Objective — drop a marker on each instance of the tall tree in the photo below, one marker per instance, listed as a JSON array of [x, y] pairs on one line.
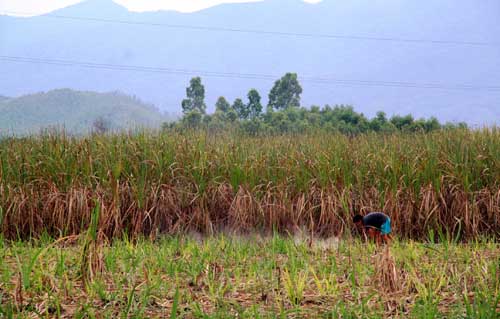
[[286, 92], [195, 100], [381, 117], [254, 106], [222, 105], [241, 109]]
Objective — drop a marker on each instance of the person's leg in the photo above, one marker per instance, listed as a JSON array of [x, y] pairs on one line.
[[370, 233]]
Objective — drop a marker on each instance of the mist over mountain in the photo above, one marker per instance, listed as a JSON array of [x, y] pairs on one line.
[[76, 112], [241, 52]]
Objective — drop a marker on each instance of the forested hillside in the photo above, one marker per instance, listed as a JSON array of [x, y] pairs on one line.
[[75, 111]]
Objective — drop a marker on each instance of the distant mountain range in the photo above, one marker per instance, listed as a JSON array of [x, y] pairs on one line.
[[74, 111], [180, 42]]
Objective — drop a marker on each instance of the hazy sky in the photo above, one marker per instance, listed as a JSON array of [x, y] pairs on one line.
[[41, 6]]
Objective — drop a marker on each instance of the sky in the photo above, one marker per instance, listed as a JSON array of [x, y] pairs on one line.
[[34, 7]]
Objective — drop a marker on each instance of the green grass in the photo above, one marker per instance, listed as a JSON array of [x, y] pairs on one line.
[[396, 161], [248, 277]]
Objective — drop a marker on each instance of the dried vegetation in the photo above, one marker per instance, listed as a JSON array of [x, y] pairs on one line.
[[442, 184]]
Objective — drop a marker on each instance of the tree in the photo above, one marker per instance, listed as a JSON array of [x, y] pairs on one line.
[[192, 119], [195, 93], [222, 105], [432, 124], [313, 118], [402, 122], [381, 117], [241, 109], [378, 122], [286, 92], [253, 126], [231, 115], [254, 106], [224, 112], [315, 109]]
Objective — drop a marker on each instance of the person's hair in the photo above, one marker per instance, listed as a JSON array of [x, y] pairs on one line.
[[357, 218]]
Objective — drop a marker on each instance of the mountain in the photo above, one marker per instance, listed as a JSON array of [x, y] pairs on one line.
[[161, 39], [75, 111]]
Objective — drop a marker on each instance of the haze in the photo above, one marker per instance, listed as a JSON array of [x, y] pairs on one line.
[[444, 55]]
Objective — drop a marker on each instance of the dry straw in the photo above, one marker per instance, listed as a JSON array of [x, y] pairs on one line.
[[447, 183], [387, 276]]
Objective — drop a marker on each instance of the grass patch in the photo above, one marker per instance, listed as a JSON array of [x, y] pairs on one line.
[[251, 277]]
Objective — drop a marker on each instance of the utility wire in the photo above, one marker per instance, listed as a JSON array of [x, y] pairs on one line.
[[263, 32], [255, 76]]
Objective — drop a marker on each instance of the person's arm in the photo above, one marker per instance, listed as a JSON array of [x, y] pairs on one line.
[[387, 238], [372, 232]]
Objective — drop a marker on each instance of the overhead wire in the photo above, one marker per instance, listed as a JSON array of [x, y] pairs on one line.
[[191, 72], [316, 80]]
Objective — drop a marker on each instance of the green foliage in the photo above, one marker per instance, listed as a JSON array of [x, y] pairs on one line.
[[254, 104], [222, 105], [192, 119], [231, 115], [241, 109], [341, 118], [284, 115], [403, 123], [253, 126], [380, 123], [285, 93], [195, 100]]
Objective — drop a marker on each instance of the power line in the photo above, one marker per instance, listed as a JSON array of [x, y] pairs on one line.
[[263, 32], [254, 76]]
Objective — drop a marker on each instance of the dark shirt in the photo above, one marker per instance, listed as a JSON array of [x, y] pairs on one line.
[[375, 220]]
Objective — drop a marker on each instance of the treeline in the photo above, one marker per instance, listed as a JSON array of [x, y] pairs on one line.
[[284, 114]]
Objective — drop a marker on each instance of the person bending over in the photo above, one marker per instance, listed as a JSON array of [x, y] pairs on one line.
[[376, 225]]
